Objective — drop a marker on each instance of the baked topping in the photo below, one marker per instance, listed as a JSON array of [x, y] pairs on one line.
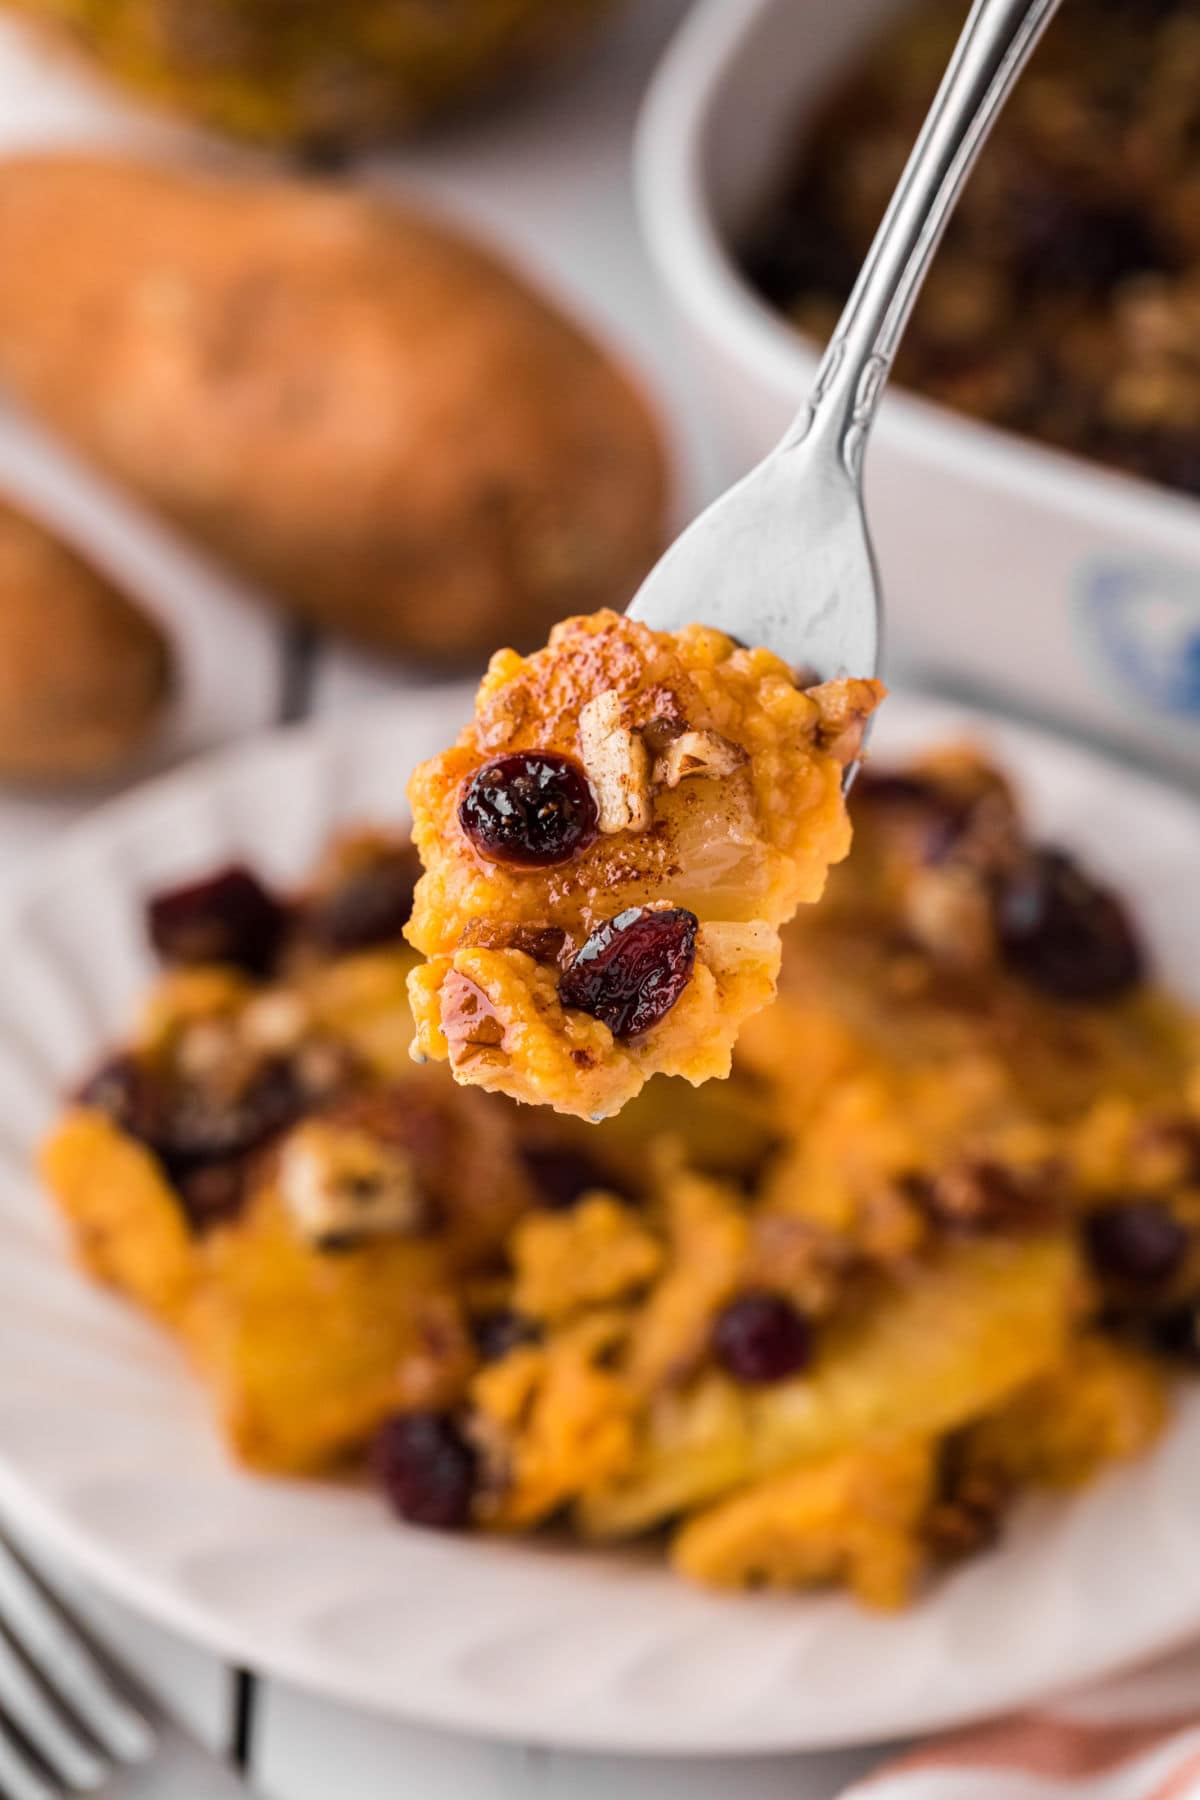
[[1065, 300], [617, 762]]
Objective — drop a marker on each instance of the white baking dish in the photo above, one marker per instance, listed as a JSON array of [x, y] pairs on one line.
[[1033, 576]]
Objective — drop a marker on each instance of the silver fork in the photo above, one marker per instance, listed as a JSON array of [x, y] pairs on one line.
[[784, 558], [68, 1726]]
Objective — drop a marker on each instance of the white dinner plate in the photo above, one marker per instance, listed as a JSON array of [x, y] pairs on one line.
[[106, 1449]]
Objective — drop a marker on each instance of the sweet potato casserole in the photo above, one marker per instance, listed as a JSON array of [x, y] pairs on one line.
[[934, 1243]]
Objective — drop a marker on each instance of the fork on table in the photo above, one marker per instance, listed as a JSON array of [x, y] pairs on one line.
[[68, 1723]]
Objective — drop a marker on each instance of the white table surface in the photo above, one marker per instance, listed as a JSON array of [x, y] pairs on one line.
[[551, 183]]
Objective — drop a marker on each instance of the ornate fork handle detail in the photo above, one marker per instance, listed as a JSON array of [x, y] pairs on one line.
[[995, 45]]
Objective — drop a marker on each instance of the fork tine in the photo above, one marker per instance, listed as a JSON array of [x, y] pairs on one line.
[[18, 1778], [44, 1729], [69, 1668]]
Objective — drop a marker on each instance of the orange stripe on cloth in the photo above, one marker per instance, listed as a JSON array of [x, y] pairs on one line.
[[1181, 1783], [1036, 1745]]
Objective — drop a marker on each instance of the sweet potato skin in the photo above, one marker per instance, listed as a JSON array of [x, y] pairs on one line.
[[84, 674], [372, 418]]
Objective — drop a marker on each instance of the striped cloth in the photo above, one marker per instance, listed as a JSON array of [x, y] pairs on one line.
[[1133, 1739]]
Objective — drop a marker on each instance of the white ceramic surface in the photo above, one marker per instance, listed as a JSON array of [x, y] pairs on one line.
[[1020, 571], [106, 1452]]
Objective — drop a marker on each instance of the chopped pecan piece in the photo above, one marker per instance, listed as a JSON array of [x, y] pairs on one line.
[[979, 1194], [473, 1028], [969, 1509], [845, 707], [543, 942], [617, 762], [697, 753], [948, 912], [342, 1185]]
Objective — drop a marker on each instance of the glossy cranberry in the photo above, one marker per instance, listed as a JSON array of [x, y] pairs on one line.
[[371, 906], [1177, 1333], [229, 918], [563, 1175], [633, 968], [760, 1338], [1064, 934], [501, 1330], [1137, 1243], [531, 809], [426, 1468]]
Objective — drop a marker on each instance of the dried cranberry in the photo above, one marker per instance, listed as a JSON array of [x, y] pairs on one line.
[[1177, 1333], [532, 809], [563, 1174], [230, 918], [124, 1090], [760, 1338], [198, 1126], [501, 1330], [1064, 934], [1137, 1242], [633, 968], [371, 906], [426, 1468]]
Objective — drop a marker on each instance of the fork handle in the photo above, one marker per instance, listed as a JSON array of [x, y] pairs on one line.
[[995, 45]]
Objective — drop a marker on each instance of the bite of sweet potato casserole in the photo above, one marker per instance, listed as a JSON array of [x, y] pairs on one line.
[[935, 1243], [610, 850]]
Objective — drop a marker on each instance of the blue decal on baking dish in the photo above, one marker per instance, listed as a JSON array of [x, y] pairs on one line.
[[1142, 620]]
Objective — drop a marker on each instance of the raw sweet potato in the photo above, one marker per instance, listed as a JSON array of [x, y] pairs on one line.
[[84, 674], [363, 411]]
